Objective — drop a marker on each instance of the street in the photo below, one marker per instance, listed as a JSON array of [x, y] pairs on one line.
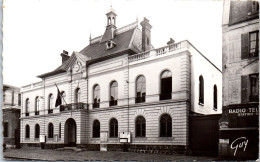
[[57, 155]]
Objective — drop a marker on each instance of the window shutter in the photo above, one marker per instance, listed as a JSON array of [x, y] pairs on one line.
[[244, 87], [244, 46]]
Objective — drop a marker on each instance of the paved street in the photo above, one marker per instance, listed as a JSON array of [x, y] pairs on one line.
[[55, 155]]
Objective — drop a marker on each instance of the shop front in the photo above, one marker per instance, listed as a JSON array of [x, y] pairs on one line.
[[238, 132]]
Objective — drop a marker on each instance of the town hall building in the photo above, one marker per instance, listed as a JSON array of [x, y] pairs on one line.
[[119, 88]]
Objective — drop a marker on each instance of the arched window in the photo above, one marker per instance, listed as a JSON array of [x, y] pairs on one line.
[[166, 85], [96, 129], [113, 127], [60, 130], [140, 126], [114, 21], [109, 21], [77, 95], [37, 131], [96, 96], [37, 105], [215, 96], [201, 90], [27, 102], [113, 93], [140, 89], [50, 130], [63, 95], [50, 103], [27, 131], [165, 125]]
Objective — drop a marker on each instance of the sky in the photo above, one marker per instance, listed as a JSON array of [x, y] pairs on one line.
[[35, 32]]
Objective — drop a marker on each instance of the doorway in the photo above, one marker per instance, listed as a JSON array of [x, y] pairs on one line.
[[70, 134]]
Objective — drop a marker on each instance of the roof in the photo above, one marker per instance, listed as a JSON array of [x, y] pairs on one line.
[[123, 42], [125, 38]]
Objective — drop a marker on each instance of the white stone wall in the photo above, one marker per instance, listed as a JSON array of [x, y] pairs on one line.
[[212, 76]]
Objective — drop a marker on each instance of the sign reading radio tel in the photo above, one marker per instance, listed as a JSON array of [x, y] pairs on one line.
[[242, 112]]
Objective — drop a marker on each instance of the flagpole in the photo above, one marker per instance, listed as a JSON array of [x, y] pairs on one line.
[[60, 95]]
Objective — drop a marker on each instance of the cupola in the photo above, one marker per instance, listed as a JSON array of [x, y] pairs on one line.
[[111, 26]]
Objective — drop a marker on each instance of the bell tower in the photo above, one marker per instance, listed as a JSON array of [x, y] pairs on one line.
[[111, 17], [111, 26]]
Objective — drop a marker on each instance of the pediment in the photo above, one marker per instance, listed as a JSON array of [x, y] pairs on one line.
[[76, 62]]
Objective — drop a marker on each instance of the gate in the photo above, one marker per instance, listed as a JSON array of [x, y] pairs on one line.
[[204, 135]]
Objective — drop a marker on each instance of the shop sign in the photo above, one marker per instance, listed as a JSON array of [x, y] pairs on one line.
[[224, 141], [243, 112], [239, 144]]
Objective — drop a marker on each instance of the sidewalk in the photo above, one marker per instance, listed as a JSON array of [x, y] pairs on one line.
[[56, 155]]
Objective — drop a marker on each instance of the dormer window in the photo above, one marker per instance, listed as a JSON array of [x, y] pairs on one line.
[[110, 44]]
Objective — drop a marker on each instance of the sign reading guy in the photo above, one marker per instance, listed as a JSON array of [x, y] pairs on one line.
[[239, 143]]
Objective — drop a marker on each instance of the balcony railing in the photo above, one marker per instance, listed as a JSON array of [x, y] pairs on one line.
[[113, 103], [158, 52], [140, 99], [73, 106], [165, 96]]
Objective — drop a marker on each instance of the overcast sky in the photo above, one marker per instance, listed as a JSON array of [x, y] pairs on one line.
[[35, 32]]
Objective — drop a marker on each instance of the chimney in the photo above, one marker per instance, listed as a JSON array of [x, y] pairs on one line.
[[146, 35], [64, 55]]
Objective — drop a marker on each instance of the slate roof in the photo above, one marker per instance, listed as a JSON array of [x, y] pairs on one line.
[[124, 41]]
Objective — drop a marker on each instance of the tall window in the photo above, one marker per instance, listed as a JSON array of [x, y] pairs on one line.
[[60, 130], [50, 106], [165, 126], [113, 93], [37, 131], [27, 131], [254, 87], [201, 90], [37, 105], [50, 130], [140, 126], [27, 102], [140, 89], [96, 129], [96, 96], [166, 85], [63, 95], [253, 44], [77, 95], [249, 44], [215, 96], [5, 129], [113, 128]]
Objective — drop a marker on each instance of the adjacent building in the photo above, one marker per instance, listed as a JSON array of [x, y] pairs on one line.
[[119, 88], [11, 116], [240, 65]]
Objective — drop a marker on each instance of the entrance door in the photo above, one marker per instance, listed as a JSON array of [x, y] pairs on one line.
[[70, 132]]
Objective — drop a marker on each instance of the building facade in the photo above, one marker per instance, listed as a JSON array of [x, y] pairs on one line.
[[11, 116], [120, 84], [239, 123]]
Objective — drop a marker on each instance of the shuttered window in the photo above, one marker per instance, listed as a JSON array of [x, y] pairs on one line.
[[249, 45], [249, 88], [254, 88]]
